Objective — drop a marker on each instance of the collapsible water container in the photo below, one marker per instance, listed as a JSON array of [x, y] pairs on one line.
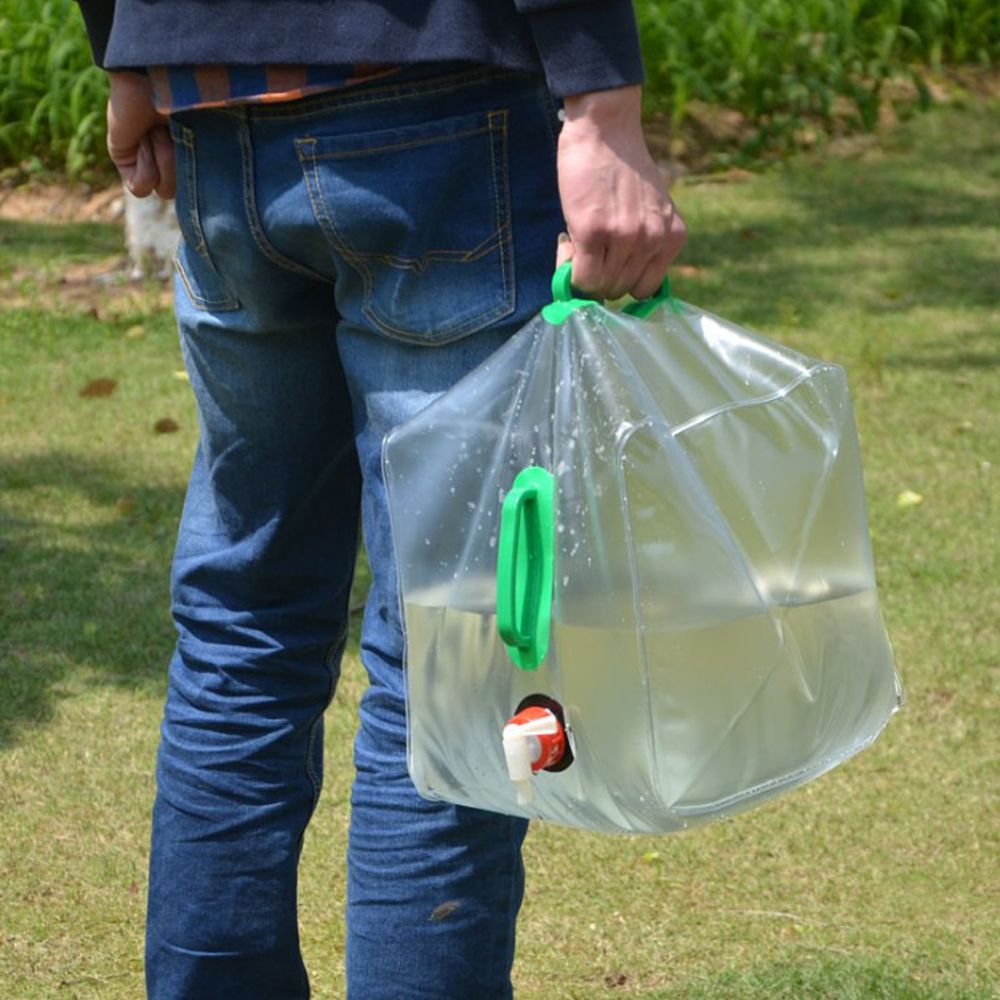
[[635, 571]]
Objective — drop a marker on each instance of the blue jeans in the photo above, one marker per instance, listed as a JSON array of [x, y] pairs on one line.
[[346, 258]]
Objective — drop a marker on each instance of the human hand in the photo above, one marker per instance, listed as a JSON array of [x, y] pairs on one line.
[[138, 138], [624, 230]]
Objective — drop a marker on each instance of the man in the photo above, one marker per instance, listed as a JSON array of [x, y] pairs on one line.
[[370, 196]]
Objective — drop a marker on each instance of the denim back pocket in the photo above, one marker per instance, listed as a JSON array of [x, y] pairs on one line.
[[420, 215], [193, 261]]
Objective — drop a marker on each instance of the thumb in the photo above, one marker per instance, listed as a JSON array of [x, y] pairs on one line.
[[146, 174], [564, 249], [163, 155]]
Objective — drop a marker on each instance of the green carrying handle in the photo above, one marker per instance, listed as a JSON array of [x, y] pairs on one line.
[[524, 567], [565, 302]]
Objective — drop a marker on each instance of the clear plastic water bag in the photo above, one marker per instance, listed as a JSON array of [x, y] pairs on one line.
[[636, 573]]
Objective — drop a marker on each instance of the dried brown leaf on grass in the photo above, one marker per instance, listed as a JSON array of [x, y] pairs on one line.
[[98, 387]]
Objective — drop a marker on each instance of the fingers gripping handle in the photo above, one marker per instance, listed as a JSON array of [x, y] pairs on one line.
[[565, 300]]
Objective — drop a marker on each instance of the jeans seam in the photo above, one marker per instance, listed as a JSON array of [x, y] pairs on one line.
[[311, 772], [428, 141], [186, 138], [228, 301], [253, 219], [513, 905], [551, 117], [333, 654], [500, 168], [306, 149]]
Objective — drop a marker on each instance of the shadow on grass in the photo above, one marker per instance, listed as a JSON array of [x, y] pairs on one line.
[[88, 599], [84, 591]]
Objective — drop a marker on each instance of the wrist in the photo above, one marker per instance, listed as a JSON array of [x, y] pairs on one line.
[[604, 108], [132, 87]]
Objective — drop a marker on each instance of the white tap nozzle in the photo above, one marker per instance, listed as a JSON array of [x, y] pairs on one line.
[[521, 748]]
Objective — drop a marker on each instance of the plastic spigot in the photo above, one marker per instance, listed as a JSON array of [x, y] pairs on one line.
[[533, 740]]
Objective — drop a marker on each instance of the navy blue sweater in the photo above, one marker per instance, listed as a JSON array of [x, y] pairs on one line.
[[580, 45]]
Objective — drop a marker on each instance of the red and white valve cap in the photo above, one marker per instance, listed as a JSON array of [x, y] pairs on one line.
[[533, 740]]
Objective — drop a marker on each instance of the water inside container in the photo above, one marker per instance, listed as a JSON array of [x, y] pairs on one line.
[[664, 721]]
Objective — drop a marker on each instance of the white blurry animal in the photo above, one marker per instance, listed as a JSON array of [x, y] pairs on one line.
[[151, 235]]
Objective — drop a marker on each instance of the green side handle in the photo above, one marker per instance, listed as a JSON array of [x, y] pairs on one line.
[[564, 301], [524, 567]]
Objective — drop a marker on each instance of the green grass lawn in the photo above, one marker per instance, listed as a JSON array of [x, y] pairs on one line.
[[880, 880]]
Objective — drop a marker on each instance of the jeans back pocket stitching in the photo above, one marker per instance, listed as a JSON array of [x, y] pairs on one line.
[[223, 304], [420, 264], [253, 218], [306, 147], [193, 295], [226, 301], [472, 325]]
